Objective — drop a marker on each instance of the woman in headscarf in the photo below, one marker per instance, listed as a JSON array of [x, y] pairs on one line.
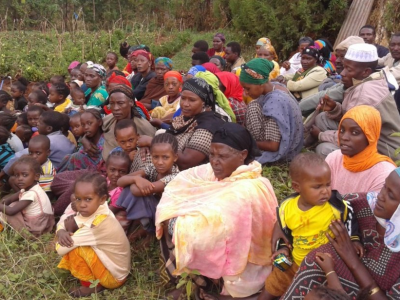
[[357, 166], [193, 71], [268, 52], [264, 41], [207, 223], [377, 271], [96, 93], [274, 118], [327, 58], [145, 72], [131, 69], [195, 126], [169, 103], [155, 88], [229, 84], [223, 106], [218, 46], [218, 61], [211, 67], [305, 82]]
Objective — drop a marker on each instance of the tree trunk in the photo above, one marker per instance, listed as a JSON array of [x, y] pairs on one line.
[[356, 18]]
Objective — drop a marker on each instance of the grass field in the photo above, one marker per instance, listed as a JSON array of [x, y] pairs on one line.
[[29, 267]]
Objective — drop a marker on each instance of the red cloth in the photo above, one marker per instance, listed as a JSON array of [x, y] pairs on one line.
[[128, 68], [118, 79], [143, 109], [175, 74], [211, 67], [231, 82]]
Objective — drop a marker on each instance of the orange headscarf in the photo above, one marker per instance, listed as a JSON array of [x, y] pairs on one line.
[[369, 120]]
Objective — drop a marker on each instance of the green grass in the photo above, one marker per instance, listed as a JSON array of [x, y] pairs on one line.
[[29, 267]]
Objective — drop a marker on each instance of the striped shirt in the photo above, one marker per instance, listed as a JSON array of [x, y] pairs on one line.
[[6, 153], [46, 179]]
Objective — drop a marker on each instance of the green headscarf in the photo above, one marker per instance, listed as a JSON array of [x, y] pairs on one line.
[[256, 71], [220, 98]]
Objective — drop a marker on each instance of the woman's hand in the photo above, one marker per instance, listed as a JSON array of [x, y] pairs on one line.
[[90, 148], [358, 247], [342, 243], [132, 154], [286, 65], [278, 234], [283, 250], [144, 141], [325, 262], [144, 186], [326, 104], [156, 122], [64, 238]]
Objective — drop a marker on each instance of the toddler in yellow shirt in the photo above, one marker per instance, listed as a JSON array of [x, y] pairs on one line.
[[305, 217]]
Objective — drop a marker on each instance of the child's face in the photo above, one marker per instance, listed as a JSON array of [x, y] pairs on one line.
[[116, 168], [39, 152], [314, 186], [32, 99], [172, 86], [264, 53], [33, 118], [127, 139], [90, 124], [25, 177], [134, 63], [15, 92], [163, 157], [42, 127], [54, 96], [86, 200], [76, 75], [3, 104], [76, 127], [78, 97], [111, 60]]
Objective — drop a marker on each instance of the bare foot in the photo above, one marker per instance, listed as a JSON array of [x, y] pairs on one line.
[[138, 234], [83, 291]]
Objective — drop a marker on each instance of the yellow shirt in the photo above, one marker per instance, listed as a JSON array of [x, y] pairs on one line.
[[61, 108], [308, 228]]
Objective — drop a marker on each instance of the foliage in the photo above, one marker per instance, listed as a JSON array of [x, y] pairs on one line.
[[392, 16], [38, 56], [284, 22]]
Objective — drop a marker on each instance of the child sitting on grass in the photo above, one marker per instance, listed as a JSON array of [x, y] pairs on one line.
[[305, 218], [33, 114], [111, 61], [18, 89], [91, 123], [24, 133], [58, 97], [76, 126], [93, 244], [29, 208], [6, 153], [143, 188]]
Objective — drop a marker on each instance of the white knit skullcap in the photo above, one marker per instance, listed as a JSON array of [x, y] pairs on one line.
[[362, 53]]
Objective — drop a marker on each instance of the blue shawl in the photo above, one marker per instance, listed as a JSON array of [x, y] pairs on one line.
[[285, 110]]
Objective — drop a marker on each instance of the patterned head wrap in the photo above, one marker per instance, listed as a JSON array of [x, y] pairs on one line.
[[118, 79], [174, 74], [193, 70], [166, 61], [99, 69], [313, 52], [221, 36], [263, 41], [256, 71], [237, 137], [327, 58], [73, 64], [202, 89], [145, 54]]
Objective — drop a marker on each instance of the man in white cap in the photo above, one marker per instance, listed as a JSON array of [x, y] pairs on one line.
[[361, 87], [331, 86]]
